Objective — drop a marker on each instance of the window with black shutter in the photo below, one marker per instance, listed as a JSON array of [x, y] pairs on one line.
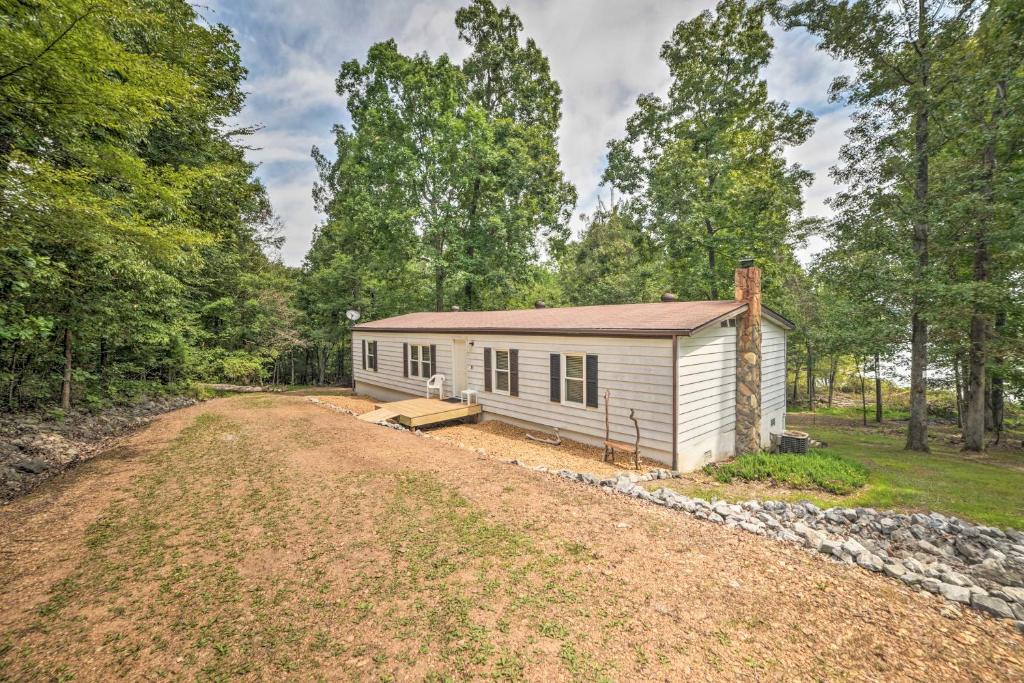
[[556, 378], [488, 379], [591, 380], [371, 355], [578, 379], [574, 379], [513, 364]]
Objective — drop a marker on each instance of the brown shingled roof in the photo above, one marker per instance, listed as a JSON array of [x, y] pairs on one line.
[[657, 319]]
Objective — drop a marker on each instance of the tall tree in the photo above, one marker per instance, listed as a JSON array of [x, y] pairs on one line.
[[613, 262], [705, 166], [448, 178], [118, 181], [978, 190], [894, 47], [517, 193]]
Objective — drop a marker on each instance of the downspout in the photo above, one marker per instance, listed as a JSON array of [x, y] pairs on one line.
[[675, 402]]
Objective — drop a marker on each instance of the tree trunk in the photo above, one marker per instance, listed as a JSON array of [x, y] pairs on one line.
[[810, 378], [291, 356], [796, 383], [863, 392], [439, 278], [65, 388], [958, 381], [833, 367], [878, 390], [917, 428], [322, 353], [712, 256], [998, 408], [977, 410]]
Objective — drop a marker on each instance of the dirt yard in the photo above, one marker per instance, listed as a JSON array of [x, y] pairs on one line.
[[265, 537], [507, 442]]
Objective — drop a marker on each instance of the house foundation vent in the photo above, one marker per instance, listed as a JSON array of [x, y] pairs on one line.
[[794, 442]]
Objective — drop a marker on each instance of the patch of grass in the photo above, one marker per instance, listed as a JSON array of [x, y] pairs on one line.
[[986, 490], [944, 480], [814, 470]]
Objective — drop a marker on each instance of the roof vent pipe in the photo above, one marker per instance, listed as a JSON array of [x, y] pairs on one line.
[[669, 296], [539, 304]]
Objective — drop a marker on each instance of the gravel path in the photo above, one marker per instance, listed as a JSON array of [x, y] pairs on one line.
[[357, 552]]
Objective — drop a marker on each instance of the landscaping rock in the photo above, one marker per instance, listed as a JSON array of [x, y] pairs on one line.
[[34, 447], [955, 593], [870, 561], [990, 605], [963, 563]]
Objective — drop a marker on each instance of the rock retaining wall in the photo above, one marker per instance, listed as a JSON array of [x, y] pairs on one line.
[[977, 566], [33, 448]]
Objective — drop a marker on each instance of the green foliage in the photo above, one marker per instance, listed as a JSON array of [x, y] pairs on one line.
[[446, 179], [129, 216], [816, 469], [613, 262], [705, 167]]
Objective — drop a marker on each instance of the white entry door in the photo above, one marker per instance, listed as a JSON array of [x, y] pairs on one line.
[[458, 366]]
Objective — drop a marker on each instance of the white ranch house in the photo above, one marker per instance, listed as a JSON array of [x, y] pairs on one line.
[[706, 378]]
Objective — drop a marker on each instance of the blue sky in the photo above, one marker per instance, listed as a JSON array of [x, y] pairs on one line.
[[603, 54]]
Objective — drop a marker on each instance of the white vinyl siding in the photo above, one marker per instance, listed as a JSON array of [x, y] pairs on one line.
[[773, 380], [637, 371], [707, 397], [390, 362]]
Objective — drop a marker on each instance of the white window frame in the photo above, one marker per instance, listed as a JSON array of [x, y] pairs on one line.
[[417, 370], [371, 355], [582, 380], [507, 391]]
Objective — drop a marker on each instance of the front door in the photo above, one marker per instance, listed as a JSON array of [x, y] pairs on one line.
[[458, 366]]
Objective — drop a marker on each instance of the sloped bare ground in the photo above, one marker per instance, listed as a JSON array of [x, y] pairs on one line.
[[262, 537]]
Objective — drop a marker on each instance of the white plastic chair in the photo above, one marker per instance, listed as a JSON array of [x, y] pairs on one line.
[[436, 382]]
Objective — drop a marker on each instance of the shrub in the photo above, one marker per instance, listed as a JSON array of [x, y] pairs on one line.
[[816, 469]]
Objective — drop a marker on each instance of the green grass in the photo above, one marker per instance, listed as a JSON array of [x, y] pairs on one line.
[[989, 490], [814, 470], [943, 480]]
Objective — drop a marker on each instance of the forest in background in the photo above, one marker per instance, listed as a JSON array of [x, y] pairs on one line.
[[135, 236]]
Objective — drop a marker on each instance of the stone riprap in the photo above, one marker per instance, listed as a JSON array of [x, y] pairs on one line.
[[977, 566], [34, 447]]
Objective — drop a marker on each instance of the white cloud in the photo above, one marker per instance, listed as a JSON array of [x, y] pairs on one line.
[[603, 55]]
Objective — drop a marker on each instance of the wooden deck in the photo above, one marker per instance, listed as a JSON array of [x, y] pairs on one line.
[[418, 412]]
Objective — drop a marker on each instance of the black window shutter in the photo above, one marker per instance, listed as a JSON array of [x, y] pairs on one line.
[[487, 369], [591, 380], [375, 358], [433, 359], [556, 378], [513, 372], [364, 354], [405, 359]]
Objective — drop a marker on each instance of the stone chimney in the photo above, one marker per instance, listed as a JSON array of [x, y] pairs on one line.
[[748, 359]]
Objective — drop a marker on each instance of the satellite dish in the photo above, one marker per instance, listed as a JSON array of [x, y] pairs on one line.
[[352, 314]]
